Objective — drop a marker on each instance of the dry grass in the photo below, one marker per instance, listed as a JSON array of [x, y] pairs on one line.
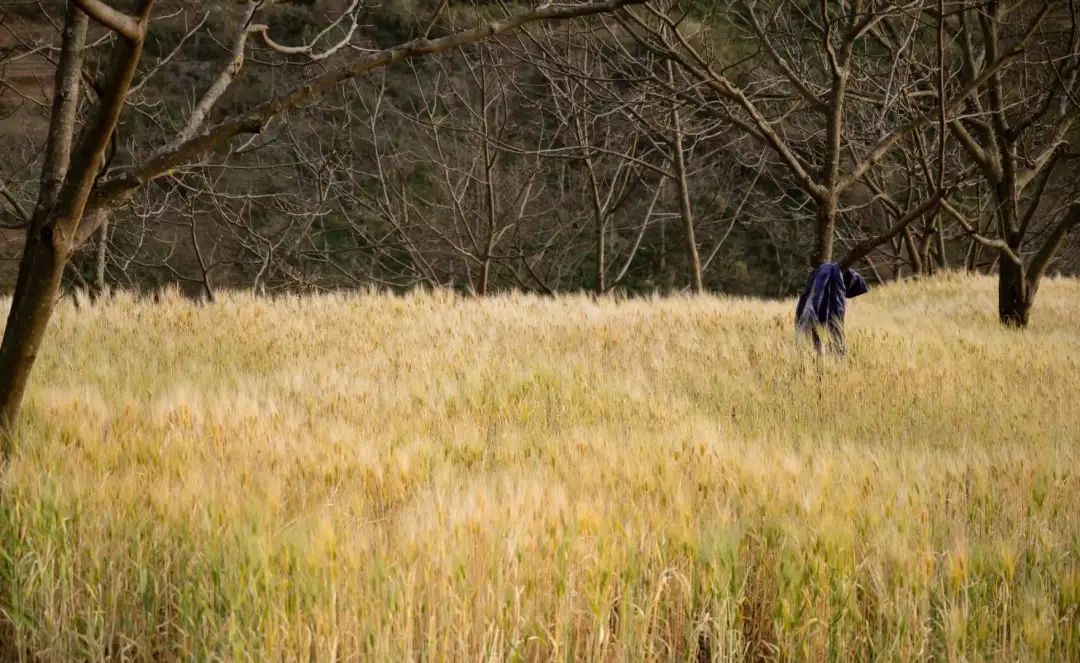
[[439, 478]]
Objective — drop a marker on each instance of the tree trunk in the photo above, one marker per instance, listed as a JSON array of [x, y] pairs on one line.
[[485, 277], [912, 246], [600, 284], [40, 273], [1015, 296], [825, 227], [693, 258], [100, 259], [834, 139], [926, 256], [972, 258], [943, 255]]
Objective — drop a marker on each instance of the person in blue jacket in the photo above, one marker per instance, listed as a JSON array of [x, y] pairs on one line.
[[820, 311]]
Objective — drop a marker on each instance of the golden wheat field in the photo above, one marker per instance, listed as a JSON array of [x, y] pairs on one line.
[[433, 477]]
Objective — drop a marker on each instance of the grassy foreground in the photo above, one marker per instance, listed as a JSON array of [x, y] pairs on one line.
[[440, 478]]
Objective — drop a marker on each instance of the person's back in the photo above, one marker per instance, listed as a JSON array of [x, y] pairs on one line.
[[823, 304]]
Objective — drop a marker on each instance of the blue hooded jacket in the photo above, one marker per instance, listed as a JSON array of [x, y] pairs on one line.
[[824, 301]]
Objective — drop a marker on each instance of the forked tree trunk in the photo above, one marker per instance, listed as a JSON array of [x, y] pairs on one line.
[[32, 303], [1015, 295], [63, 200]]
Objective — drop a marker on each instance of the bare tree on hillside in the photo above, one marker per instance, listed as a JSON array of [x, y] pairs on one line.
[[1016, 129], [596, 140], [482, 196], [623, 126], [824, 108]]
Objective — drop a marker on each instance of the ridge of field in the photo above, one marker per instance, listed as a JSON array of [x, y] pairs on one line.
[[367, 477]]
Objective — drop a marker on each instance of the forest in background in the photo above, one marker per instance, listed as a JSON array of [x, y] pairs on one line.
[[602, 154]]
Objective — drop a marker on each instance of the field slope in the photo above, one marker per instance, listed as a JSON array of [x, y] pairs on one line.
[[441, 478]]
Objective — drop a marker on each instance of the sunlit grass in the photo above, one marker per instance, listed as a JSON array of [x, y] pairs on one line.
[[442, 478]]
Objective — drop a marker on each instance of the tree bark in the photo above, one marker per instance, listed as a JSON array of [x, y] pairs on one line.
[[64, 107], [42, 265], [693, 258], [943, 255], [485, 277], [912, 246], [1015, 296], [100, 258], [834, 138], [40, 273], [971, 262], [489, 183], [600, 284], [824, 229]]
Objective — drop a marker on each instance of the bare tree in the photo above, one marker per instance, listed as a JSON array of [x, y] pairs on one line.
[[593, 136], [627, 132], [828, 113], [1015, 130], [484, 194]]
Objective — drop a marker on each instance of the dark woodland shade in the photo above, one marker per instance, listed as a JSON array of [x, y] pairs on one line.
[[824, 301]]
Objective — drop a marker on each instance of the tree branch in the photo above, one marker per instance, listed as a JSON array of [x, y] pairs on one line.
[[728, 90], [426, 32], [808, 95], [87, 160], [1057, 237], [309, 48], [65, 104], [865, 247], [22, 213], [997, 244], [885, 145], [990, 168], [110, 192], [221, 83], [1037, 194], [114, 19]]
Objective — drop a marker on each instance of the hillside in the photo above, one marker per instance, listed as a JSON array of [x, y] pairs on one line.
[[364, 477], [381, 183], [542, 160]]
